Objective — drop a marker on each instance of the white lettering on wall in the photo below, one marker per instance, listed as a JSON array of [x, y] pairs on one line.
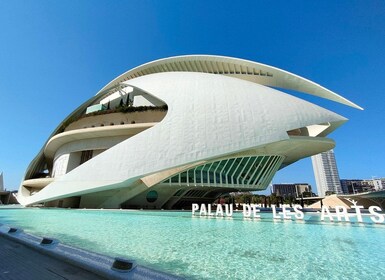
[[229, 210], [285, 213], [298, 213], [342, 212], [219, 212], [377, 217], [358, 211], [275, 216], [194, 208], [326, 213], [246, 210]]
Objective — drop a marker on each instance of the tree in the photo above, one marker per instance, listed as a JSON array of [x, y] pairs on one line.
[[306, 194], [128, 101]]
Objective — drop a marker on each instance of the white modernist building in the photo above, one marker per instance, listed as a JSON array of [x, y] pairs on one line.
[[180, 130], [326, 173]]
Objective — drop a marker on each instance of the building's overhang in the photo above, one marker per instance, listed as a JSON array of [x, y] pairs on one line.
[[234, 67], [91, 133]]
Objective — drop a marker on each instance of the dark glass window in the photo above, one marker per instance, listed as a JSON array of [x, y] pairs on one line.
[[152, 196]]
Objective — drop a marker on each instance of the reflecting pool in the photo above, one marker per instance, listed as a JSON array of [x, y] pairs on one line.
[[217, 248]]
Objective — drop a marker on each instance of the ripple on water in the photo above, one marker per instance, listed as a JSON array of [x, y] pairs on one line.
[[203, 248]]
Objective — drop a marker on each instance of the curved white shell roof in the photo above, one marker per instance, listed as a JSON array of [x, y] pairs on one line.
[[209, 116], [243, 69]]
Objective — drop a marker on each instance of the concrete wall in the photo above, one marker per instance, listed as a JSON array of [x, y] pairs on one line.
[[209, 116], [117, 119]]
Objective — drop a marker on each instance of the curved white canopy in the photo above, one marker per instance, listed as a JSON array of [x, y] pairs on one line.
[[243, 69]]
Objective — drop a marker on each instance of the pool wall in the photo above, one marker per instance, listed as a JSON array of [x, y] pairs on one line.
[[99, 264]]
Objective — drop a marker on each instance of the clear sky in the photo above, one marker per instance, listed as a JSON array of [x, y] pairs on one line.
[[54, 55]]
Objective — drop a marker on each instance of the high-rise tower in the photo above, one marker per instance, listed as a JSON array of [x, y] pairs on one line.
[[1, 182], [326, 173]]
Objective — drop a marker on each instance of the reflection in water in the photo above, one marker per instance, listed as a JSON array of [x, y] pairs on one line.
[[210, 248]]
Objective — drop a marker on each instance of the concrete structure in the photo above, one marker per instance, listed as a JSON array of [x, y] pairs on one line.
[[1, 182], [367, 199], [21, 262], [354, 186], [330, 202], [6, 197], [291, 190], [25, 256], [326, 173], [373, 198], [211, 125], [379, 184]]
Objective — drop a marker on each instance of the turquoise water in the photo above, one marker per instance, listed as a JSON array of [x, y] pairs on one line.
[[222, 248]]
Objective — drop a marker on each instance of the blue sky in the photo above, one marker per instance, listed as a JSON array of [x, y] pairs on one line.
[[54, 55]]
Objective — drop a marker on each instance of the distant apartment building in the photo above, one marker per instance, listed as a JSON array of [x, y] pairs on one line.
[[379, 184], [326, 173], [6, 197], [291, 190], [354, 186], [1, 182]]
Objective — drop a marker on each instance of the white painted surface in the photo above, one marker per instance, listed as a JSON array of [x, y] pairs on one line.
[[208, 116], [240, 68]]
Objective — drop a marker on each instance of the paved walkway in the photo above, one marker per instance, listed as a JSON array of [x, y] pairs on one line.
[[18, 261]]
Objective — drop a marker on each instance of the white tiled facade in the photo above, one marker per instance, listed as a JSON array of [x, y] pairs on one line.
[[226, 129]]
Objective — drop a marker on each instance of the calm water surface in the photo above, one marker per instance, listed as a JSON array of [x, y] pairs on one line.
[[209, 248]]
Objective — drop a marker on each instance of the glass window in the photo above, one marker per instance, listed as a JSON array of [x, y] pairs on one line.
[[152, 196]]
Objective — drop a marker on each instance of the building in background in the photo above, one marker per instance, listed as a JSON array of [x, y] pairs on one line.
[[354, 186], [326, 173], [291, 190], [379, 184], [1, 182], [6, 197]]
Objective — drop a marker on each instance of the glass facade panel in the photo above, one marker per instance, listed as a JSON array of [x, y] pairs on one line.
[[234, 172]]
